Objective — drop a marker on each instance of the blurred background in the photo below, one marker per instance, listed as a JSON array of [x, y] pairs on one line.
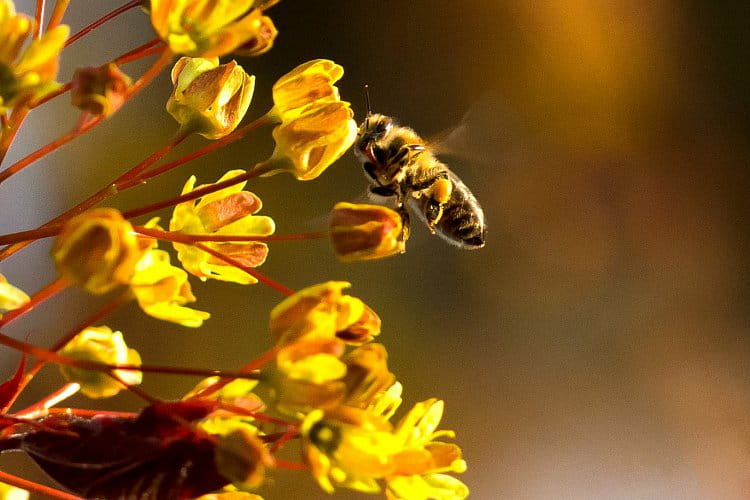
[[598, 346]]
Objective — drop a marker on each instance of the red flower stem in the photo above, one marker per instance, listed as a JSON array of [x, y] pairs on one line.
[[157, 155], [102, 20], [50, 400], [30, 235], [249, 270], [47, 149], [147, 49], [290, 465], [58, 11], [256, 171], [63, 88], [252, 366], [104, 311], [144, 50], [36, 487], [11, 129], [39, 16], [83, 412], [107, 191], [212, 146], [49, 290], [189, 239], [285, 438], [135, 390], [179, 370]]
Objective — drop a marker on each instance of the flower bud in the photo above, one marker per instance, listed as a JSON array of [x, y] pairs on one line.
[[205, 28], [97, 250], [209, 99], [365, 232], [11, 298], [323, 311], [102, 345], [308, 83], [100, 91], [261, 42], [315, 138], [242, 458]]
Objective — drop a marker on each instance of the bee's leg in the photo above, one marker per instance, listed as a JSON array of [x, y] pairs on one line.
[[433, 212], [385, 191], [401, 209]]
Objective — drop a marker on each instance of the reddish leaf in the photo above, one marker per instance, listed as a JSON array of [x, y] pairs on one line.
[[9, 388], [154, 456]]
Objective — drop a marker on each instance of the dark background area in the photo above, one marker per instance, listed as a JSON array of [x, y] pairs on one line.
[[598, 346]]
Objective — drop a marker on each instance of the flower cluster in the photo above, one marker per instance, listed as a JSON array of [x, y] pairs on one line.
[[323, 385]]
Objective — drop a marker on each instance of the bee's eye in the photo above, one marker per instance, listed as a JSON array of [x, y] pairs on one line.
[[381, 127]]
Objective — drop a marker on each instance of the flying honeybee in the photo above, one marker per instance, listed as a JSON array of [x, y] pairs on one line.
[[400, 164]]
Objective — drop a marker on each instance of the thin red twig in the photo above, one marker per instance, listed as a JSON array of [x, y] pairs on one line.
[[49, 290], [36, 487], [102, 20]]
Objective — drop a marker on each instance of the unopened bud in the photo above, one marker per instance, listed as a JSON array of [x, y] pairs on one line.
[[100, 91], [209, 99], [261, 42], [102, 345], [97, 250], [365, 232]]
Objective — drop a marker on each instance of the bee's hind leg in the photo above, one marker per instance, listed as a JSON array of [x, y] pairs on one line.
[[401, 209]]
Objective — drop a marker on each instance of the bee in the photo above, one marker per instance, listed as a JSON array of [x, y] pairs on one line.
[[398, 163]]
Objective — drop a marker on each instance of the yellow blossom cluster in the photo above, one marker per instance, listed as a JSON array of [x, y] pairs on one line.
[[344, 401], [26, 73], [324, 383]]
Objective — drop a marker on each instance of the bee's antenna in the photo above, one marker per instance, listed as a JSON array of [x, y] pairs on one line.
[[367, 99]]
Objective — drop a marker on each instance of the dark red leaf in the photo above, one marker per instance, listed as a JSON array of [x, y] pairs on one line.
[[154, 456], [9, 388]]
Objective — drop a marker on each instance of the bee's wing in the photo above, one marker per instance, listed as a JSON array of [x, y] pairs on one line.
[[487, 133]]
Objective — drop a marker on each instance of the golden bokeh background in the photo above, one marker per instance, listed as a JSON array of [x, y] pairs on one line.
[[598, 346]]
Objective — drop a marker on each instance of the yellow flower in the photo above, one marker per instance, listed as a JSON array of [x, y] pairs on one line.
[[100, 91], [420, 465], [97, 250], [30, 73], [8, 492], [365, 232], [242, 458], [10, 297], [162, 289], [309, 375], [209, 99], [324, 311], [100, 344], [316, 127], [224, 212], [348, 447], [205, 28]]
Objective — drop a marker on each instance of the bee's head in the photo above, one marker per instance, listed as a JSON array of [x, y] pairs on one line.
[[373, 129]]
